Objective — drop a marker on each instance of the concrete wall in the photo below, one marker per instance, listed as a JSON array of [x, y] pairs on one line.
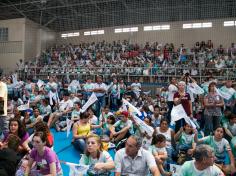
[[37, 39], [13, 49], [177, 35], [26, 40]]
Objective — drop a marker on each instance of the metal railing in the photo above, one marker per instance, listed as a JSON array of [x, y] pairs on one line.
[[153, 74]]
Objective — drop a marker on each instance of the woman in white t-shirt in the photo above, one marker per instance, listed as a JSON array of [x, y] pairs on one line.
[[168, 133]]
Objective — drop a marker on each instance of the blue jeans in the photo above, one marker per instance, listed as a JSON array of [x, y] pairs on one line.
[[114, 103], [100, 104], [80, 145], [4, 124]]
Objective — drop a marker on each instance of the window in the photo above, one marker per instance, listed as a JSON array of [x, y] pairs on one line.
[[72, 34], [120, 30], [197, 25], [87, 33], [229, 23], [206, 25], [147, 28], [156, 28], [3, 34], [98, 32]]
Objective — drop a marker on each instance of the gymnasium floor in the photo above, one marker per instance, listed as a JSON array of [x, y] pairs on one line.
[[65, 151]]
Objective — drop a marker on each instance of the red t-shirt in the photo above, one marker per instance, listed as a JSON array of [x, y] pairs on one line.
[[185, 101]]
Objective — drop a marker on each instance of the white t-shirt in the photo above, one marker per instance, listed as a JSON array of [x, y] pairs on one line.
[[167, 134], [64, 105], [172, 89]]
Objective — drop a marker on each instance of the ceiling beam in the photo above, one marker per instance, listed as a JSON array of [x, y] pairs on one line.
[[130, 10], [50, 21], [71, 5], [19, 4], [14, 7]]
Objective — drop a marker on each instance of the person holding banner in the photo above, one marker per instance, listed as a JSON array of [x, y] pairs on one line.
[[65, 107], [183, 98], [100, 162], [212, 113], [122, 129], [227, 88]]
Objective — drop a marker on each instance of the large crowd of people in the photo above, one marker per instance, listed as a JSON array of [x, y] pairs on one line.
[[143, 129], [124, 58]]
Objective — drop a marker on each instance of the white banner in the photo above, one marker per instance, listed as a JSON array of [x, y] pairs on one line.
[[149, 130], [178, 113], [225, 95], [132, 108], [90, 101], [54, 96], [175, 169], [77, 169], [40, 83], [196, 89], [23, 107]]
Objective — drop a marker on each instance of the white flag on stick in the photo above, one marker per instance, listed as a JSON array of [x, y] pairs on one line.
[[40, 83], [225, 95], [178, 113], [175, 169], [196, 89], [132, 108], [23, 107], [92, 99], [149, 130], [77, 169]]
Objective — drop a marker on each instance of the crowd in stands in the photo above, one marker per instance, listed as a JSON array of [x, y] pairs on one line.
[[123, 57], [32, 108]]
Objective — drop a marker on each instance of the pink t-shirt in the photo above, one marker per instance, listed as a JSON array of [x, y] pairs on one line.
[[43, 162], [23, 139]]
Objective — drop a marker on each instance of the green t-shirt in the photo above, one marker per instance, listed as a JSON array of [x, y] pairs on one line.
[[189, 169], [186, 139], [220, 147]]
